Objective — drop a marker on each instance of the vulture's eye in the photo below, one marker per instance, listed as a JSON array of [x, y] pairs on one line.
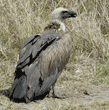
[[64, 12]]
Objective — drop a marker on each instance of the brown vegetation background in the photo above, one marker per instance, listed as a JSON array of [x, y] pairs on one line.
[[89, 60]]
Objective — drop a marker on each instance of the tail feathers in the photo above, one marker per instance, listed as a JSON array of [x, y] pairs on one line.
[[19, 88]]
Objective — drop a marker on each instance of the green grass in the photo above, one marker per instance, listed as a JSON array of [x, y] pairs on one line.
[[101, 73]]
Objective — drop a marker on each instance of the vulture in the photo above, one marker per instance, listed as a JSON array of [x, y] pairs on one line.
[[42, 58]]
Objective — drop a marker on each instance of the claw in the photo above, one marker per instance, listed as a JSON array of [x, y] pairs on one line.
[[55, 95], [59, 96]]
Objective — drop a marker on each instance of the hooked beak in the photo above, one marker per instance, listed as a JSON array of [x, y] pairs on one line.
[[68, 14]]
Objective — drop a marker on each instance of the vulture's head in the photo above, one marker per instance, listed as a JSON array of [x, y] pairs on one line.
[[57, 18], [61, 14]]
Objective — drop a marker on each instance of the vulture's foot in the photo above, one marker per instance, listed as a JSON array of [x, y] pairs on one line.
[[27, 100], [55, 95], [59, 96]]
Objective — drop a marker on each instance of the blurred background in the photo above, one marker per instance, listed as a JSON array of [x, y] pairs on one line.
[[20, 19]]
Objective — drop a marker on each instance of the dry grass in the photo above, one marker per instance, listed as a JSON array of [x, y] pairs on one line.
[[89, 61]]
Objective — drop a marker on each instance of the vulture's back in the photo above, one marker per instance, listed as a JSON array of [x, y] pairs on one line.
[[41, 60]]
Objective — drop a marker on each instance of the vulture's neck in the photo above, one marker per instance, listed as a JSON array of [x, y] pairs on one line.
[[55, 26]]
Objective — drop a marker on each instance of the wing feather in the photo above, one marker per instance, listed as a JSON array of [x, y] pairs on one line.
[[31, 51], [30, 39], [33, 80], [48, 82], [33, 47]]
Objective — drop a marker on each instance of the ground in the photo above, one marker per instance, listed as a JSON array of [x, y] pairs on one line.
[[82, 94]]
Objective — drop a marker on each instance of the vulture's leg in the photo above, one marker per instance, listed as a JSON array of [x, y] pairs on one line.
[[55, 95]]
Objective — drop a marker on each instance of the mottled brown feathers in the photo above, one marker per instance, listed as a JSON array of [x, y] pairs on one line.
[[52, 26], [55, 26], [41, 60], [56, 55]]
